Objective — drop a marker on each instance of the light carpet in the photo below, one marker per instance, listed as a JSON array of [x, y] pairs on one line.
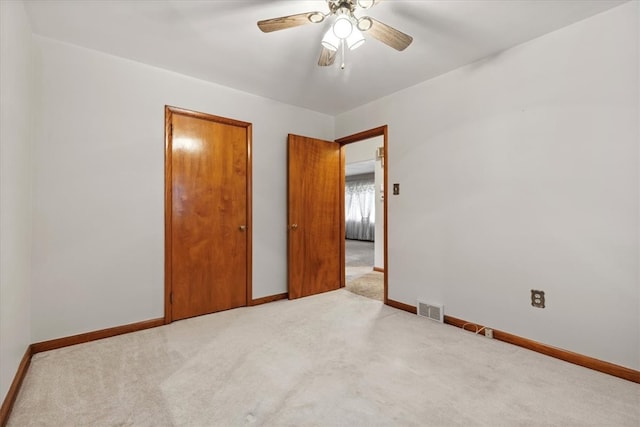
[[359, 253], [370, 285], [335, 359]]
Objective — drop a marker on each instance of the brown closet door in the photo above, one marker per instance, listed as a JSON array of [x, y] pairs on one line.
[[209, 214], [314, 214]]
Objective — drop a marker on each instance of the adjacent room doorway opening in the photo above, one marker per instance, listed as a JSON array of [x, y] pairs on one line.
[[365, 213]]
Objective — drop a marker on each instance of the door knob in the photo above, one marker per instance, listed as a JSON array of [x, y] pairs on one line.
[[294, 226], [242, 227]]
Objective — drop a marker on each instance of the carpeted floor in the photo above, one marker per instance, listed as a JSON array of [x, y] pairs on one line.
[[360, 277], [370, 285], [335, 359], [359, 253]]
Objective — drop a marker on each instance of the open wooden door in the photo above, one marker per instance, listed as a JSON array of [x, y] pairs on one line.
[[314, 215]]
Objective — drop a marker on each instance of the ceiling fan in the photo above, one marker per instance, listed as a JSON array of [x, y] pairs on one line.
[[346, 30]]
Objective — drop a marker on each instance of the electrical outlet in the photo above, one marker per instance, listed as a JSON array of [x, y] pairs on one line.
[[537, 298], [488, 332]]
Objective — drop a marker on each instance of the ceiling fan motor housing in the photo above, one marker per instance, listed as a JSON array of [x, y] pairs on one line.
[[346, 5]]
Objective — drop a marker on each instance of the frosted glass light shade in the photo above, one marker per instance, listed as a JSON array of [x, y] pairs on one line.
[[343, 27], [365, 4], [330, 41], [355, 40]]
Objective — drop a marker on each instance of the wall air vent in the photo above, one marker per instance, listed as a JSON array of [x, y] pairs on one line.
[[431, 311]]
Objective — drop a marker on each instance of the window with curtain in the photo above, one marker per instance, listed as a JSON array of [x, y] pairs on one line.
[[360, 209]]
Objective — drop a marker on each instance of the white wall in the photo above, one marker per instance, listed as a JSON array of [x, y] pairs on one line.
[[16, 101], [366, 150], [99, 201], [520, 172]]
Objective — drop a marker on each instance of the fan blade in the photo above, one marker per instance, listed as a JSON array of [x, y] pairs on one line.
[[284, 22], [388, 35], [327, 57]]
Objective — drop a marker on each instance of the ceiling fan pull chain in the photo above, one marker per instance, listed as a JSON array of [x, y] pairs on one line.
[[342, 48]]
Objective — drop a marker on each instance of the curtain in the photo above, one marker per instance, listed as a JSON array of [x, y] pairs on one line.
[[360, 210]]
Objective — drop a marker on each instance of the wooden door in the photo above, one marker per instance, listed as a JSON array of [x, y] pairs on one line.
[[314, 215], [209, 238]]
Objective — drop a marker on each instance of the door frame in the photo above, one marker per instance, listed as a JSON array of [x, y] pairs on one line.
[[361, 136], [169, 111]]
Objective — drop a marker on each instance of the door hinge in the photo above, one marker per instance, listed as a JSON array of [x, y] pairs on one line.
[[170, 297]]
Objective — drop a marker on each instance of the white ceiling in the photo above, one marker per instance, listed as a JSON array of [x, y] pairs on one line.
[[219, 41], [360, 168]]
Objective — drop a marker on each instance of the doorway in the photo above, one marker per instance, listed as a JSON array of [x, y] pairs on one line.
[[207, 213], [365, 213], [364, 240], [316, 213]]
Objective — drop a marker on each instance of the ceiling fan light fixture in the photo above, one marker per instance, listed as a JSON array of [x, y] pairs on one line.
[[365, 4], [330, 41], [364, 23], [355, 40], [315, 17], [343, 31], [343, 27]]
